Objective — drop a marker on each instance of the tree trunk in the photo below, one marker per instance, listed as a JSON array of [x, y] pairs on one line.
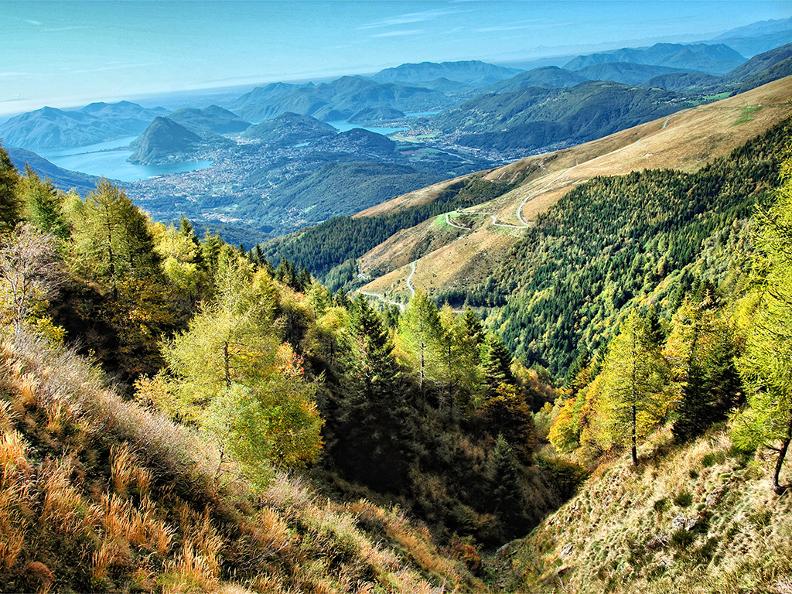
[[634, 450], [777, 486], [421, 370], [226, 365]]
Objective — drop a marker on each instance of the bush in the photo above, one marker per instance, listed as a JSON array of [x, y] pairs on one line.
[[683, 499]]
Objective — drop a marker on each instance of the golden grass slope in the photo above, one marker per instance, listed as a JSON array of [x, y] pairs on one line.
[[685, 140], [690, 519], [101, 494]]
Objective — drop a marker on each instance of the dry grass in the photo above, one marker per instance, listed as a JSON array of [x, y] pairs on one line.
[[697, 519]]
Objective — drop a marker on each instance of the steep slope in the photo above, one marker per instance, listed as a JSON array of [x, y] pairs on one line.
[[62, 179], [164, 140], [696, 518], [99, 493], [710, 58], [763, 68], [684, 141]]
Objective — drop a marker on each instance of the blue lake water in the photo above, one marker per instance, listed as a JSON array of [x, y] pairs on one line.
[[109, 159], [343, 126]]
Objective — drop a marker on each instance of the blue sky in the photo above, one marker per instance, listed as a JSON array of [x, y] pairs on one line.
[[71, 52]]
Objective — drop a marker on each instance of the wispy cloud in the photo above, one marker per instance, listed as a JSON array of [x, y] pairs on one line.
[[66, 28], [9, 74], [400, 33], [410, 18], [34, 23], [520, 26]]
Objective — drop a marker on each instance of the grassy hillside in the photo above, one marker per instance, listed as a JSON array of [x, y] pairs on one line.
[[696, 518], [686, 140], [98, 493]]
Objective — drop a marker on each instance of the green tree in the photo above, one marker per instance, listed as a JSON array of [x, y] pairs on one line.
[[230, 374], [506, 492], [474, 331], [111, 239], [10, 210], [497, 365], [376, 418], [420, 333], [460, 357], [633, 396], [42, 204], [766, 318], [701, 351]]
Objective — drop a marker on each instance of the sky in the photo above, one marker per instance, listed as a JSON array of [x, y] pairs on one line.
[[69, 53]]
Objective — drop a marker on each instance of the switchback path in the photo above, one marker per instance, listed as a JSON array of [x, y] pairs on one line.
[[410, 286]]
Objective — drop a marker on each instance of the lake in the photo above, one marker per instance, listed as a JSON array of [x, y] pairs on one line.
[[109, 159], [343, 126]]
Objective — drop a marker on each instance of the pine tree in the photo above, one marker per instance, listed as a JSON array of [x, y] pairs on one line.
[[460, 357], [497, 365], [634, 380], [42, 204], [210, 252], [474, 331], [230, 374], [10, 209], [377, 422], [701, 351], [506, 492]]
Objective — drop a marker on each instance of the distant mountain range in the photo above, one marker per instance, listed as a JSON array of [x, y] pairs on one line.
[[336, 100], [526, 113], [758, 37], [51, 128], [472, 73], [709, 58]]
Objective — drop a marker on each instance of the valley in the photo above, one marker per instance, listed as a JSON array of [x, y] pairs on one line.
[[391, 325]]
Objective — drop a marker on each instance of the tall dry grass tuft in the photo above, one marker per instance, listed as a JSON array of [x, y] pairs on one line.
[[64, 507], [126, 471], [12, 454]]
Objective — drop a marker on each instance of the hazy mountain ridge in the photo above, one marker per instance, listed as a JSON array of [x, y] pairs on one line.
[[212, 120], [470, 72], [709, 58], [51, 128], [336, 100]]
